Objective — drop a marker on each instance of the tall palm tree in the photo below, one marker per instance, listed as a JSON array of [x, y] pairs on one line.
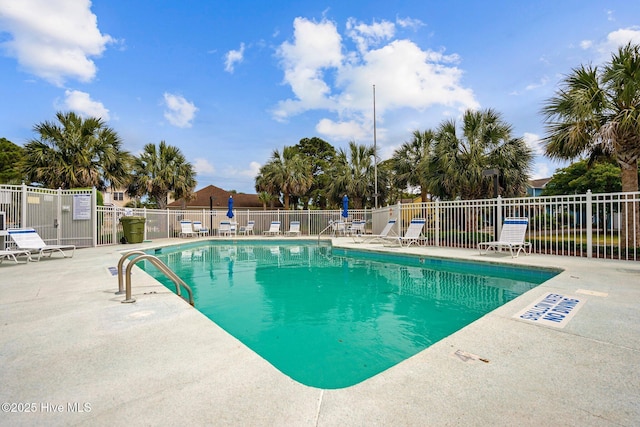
[[159, 171], [485, 142], [353, 174], [288, 173], [596, 112], [410, 162], [76, 152]]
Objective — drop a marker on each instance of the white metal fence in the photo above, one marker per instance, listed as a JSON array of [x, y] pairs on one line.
[[59, 216], [583, 225], [166, 223]]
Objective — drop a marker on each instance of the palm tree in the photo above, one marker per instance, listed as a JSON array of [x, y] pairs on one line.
[[289, 174], [596, 113], [410, 162], [353, 174], [76, 152], [458, 161], [159, 171]]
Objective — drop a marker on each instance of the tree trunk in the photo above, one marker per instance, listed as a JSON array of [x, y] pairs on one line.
[[631, 210]]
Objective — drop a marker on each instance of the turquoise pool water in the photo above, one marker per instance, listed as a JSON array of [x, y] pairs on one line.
[[331, 318]]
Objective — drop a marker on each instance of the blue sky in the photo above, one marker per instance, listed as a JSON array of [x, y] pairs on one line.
[[230, 81]]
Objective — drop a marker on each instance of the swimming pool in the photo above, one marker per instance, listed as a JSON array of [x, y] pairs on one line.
[[331, 318]]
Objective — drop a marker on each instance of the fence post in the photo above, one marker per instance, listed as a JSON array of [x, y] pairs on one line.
[[589, 211], [437, 219], [23, 213], [498, 227], [399, 221], [94, 217], [168, 219], [57, 222]]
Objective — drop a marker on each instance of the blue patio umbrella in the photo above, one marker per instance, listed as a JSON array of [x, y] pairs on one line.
[[345, 206], [230, 211]]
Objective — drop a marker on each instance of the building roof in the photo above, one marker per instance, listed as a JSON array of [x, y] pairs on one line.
[[221, 200], [539, 183]]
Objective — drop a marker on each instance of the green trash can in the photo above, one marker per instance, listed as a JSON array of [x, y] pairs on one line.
[[133, 227]]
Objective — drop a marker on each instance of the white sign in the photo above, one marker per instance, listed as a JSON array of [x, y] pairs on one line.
[[81, 206], [551, 310]]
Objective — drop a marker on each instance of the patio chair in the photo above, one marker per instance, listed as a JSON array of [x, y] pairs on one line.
[[511, 236], [28, 239], [294, 229], [186, 229], [225, 229], [377, 238], [356, 228], [274, 229], [247, 229], [412, 235], [338, 228], [13, 254], [199, 229]]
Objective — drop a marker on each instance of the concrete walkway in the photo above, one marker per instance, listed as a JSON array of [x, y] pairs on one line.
[[72, 354]]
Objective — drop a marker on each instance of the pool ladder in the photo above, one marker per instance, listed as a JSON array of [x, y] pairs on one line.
[[140, 255]]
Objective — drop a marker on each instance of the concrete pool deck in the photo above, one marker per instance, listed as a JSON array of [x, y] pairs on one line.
[[72, 354]]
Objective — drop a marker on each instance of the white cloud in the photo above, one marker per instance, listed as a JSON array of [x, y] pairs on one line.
[[341, 130], [409, 23], [252, 172], [614, 40], [543, 82], [366, 35], [82, 104], [232, 58], [541, 170], [324, 74], [586, 44], [203, 167], [53, 39], [180, 112], [610, 16], [533, 141], [316, 47]]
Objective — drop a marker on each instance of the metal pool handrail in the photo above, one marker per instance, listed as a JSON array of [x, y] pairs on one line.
[[124, 257], [162, 267], [325, 229]]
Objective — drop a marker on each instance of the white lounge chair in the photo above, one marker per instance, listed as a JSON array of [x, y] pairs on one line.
[[511, 236], [186, 229], [274, 229], [294, 229], [199, 229], [247, 229], [13, 254], [225, 229], [377, 238], [412, 235], [28, 239]]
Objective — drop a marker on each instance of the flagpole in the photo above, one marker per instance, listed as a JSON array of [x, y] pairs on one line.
[[375, 152]]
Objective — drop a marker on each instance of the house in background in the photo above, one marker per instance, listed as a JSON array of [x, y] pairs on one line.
[[117, 197], [216, 198], [536, 186]]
